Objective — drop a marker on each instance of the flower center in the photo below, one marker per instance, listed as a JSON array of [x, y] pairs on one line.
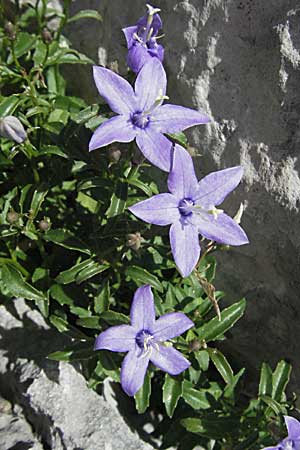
[[185, 206], [287, 444], [143, 339], [140, 120]]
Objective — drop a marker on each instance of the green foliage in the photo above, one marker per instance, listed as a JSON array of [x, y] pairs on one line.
[[64, 246]]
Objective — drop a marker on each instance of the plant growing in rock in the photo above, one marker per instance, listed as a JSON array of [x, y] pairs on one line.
[[72, 245]]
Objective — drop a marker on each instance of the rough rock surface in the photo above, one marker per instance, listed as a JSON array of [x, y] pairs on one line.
[[52, 406], [238, 60]]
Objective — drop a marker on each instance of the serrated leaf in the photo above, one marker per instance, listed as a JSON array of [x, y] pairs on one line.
[[142, 276], [86, 14], [172, 390], [18, 287], [142, 397], [69, 275], [221, 364], [214, 328], [91, 271]]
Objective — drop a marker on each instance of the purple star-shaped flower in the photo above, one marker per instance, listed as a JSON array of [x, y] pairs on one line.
[[190, 209], [141, 114], [144, 340], [292, 441], [142, 40]]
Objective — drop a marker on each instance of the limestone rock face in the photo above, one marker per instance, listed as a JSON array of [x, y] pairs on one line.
[[51, 406], [239, 61]]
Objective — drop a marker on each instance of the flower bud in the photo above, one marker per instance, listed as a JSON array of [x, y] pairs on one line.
[[11, 128], [134, 241], [46, 36], [45, 224], [12, 217], [195, 345], [9, 30], [114, 154]]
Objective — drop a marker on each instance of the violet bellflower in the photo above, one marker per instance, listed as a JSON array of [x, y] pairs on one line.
[[141, 114], [144, 340], [142, 40], [190, 209], [292, 441]]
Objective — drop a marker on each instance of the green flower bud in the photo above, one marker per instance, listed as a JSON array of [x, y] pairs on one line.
[[9, 30]]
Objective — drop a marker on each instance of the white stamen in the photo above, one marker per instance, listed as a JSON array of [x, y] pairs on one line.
[[151, 10], [237, 218], [215, 212]]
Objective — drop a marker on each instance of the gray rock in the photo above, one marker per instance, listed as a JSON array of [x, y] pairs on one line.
[[52, 398], [239, 61]]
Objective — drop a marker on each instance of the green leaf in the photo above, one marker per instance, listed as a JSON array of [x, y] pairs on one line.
[[52, 150], [89, 322], [9, 105], [142, 397], [280, 379], [221, 364], [101, 300], [118, 200], [142, 276], [139, 184], [76, 352], [86, 114], [59, 294], [36, 202], [215, 328], [86, 14], [265, 382], [194, 397], [23, 44], [18, 287], [110, 368], [212, 426], [69, 276], [87, 202], [55, 81], [66, 239], [114, 318], [203, 359], [273, 404], [39, 53], [172, 390], [180, 138], [91, 271]]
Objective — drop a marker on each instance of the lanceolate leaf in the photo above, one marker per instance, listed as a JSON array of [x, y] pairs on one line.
[[172, 390], [142, 397], [221, 364], [215, 328], [280, 379], [265, 382], [142, 276]]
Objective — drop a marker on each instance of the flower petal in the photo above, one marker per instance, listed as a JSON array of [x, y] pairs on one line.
[[213, 188], [222, 229], [116, 129], [151, 83], [133, 371], [129, 32], [155, 147], [171, 325], [161, 209], [117, 92], [271, 448], [120, 338], [293, 427], [185, 247], [169, 360], [142, 312], [182, 180], [173, 118], [137, 57]]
